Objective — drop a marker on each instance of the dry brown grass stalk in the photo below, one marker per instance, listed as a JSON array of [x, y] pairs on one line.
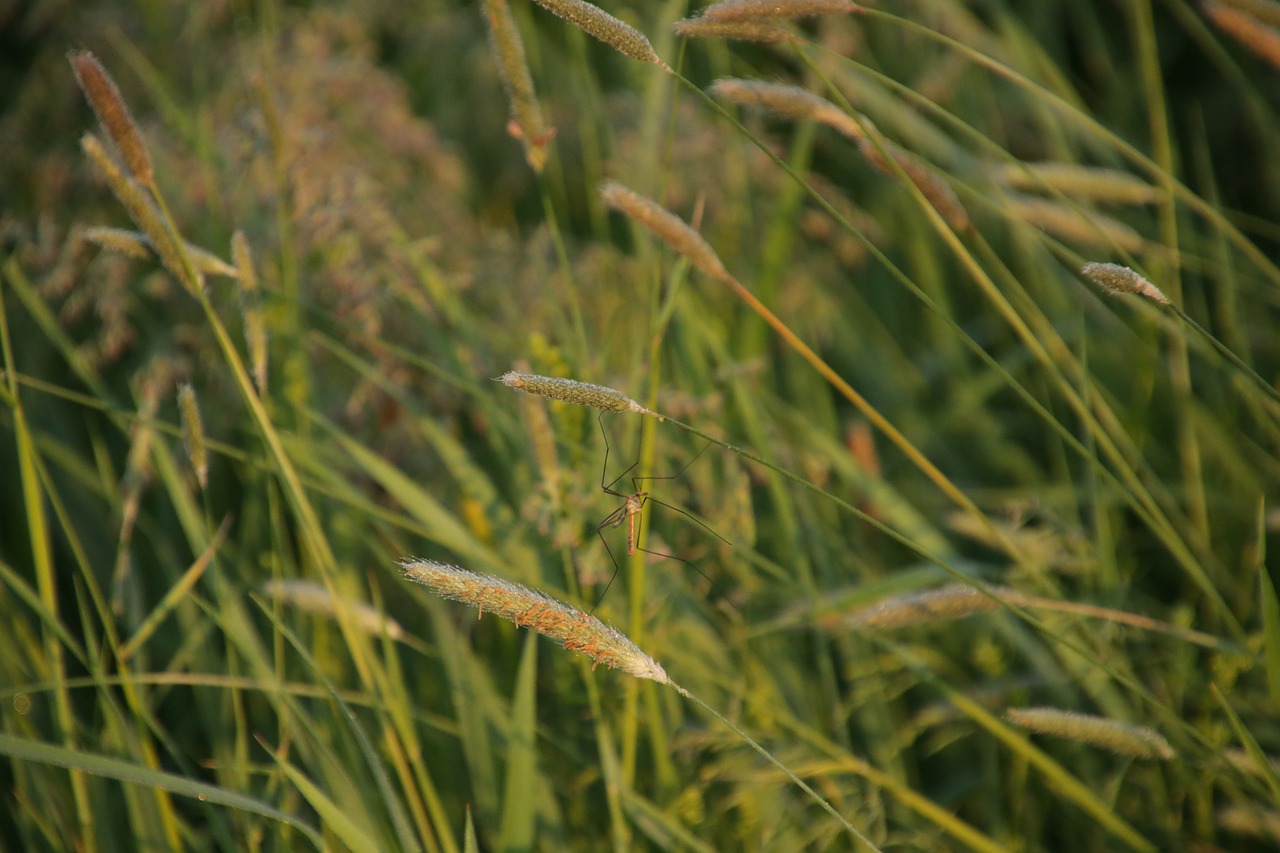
[[113, 114], [193, 433], [1121, 738], [599, 24], [668, 227], [1117, 279], [572, 391], [751, 10], [1262, 39], [526, 114], [763, 32], [571, 628]]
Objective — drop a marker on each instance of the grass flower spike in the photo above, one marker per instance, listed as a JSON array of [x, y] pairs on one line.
[[104, 97], [599, 24], [1120, 738], [668, 227], [1118, 279], [571, 628], [753, 10], [573, 391]]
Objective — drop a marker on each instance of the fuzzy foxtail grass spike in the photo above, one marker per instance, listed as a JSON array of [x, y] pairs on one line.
[[571, 628], [599, 24], [193, 433], [508, 50], [572, 391], [1121, 738], [579, 632], [761, 32], [114, 115], [668, 227], [754, 10], [1117, 279]]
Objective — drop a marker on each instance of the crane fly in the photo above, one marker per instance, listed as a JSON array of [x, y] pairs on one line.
[[630, 513]]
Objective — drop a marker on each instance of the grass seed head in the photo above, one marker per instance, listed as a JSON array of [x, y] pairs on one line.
[[571, 628], [762, 32], [1261, 38], [572, 391], [116, 120], [791, 102], [668, 227], [599, 24], [952, 601], [1121, 738], [193, 432], [508, 50], [753, 10], [1117, 279]]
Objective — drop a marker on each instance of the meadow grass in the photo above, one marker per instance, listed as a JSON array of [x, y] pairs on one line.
[[976, 314]]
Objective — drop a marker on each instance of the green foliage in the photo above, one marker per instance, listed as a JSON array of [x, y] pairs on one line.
[[923, 396]]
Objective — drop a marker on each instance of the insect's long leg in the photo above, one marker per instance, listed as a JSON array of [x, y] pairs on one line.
[[631, 513], [605, 467]]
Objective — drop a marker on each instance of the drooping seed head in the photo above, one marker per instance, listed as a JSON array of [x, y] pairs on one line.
[[762, 32], [573, 391], [571, 628], [952, 601], [1122, 738], [668, 227], [1110, 186], [1117, 279], [599, 24], [1077, 224], [751, 10], [792, 102]]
